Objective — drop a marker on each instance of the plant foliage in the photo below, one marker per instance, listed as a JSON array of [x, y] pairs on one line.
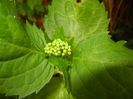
[[98, 67]]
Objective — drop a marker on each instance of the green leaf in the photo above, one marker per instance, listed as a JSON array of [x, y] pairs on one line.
[[79, 20], [55, 90], [62, 65], [23, 68], [13, 33], [36, 37], [102, 69], [7, 10], [24, 75]]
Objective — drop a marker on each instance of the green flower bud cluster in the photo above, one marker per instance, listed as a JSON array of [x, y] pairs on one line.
[[58, 48]]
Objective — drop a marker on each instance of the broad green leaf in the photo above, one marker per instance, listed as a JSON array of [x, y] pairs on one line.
[[13, 33], [23, 68], [24, 75], [55, 90], [102, 69], [79, 20]]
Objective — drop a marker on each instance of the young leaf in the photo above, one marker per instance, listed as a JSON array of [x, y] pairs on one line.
[[79, 20]]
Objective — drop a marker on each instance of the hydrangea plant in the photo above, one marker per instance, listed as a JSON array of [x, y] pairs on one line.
[[99, 68]]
